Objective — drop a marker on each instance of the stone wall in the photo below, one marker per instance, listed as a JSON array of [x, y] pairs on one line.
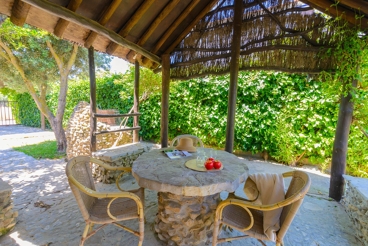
[[78, 133], [118, 156], [7, 215], [355, 202]]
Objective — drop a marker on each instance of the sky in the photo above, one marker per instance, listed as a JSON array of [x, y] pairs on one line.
[[118, 65]]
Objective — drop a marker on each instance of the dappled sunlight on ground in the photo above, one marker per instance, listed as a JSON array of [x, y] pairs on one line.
[[19, 241], [48, 212]]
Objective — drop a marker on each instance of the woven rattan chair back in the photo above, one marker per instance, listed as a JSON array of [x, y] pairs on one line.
[[103, 208], [80, 169], [298, 188], [197, 142], [249, 218]]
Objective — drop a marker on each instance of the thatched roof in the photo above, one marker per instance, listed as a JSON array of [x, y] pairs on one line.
[[276, 34]]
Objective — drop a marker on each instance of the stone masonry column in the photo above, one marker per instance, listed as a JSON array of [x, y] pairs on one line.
[[7, 216], [184, 220]]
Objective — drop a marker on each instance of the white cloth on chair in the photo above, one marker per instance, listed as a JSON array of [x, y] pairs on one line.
[[271, 190]]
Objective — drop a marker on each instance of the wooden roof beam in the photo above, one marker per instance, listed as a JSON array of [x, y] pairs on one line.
[[176, 23], [19, 12], [348, 15], [66, 14], [62, 24], [167, 10], [361, 5], [106, 16], [130, 24], [189, 27]]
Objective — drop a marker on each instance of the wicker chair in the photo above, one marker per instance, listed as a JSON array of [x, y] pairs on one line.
[[247, 217], [196, 140], [100, 207]]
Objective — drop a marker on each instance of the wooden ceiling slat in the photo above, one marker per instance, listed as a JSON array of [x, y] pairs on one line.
[[356, 4], [348, 15], [176, 23], [19, 12], [63, 24], [167, 10], [80, 20], [189, 27], [106, 16], [130, 24]]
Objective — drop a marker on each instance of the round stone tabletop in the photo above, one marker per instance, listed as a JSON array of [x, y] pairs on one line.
[[155, 171]]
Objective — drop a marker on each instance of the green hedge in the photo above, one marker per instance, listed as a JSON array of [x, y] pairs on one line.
[[288, 116], [28, 114]]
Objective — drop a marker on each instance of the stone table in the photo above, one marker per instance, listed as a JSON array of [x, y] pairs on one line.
[[187, 199]]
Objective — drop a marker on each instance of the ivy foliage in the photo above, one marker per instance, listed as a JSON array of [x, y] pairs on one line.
[[350, 54], [289, 116]]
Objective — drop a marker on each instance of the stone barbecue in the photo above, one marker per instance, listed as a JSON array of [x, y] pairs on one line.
[[78, 133]]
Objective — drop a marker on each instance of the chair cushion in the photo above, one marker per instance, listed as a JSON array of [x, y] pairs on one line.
[[121, 208]]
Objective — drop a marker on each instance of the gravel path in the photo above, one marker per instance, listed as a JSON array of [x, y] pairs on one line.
[[49, 215]]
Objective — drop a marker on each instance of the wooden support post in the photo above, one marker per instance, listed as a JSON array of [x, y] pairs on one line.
[[234, 70], [136, 102], [93, 104], [165, 100], [341, 146]]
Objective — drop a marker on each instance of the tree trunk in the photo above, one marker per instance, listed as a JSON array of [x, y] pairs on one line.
[[64, 70], [60, 135], [341, 145]]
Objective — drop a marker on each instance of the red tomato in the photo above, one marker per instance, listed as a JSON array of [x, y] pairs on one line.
[[217, 164], [208, 165], [210, 159]]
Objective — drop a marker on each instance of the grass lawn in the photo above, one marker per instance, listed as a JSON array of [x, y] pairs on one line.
[[43, 150]]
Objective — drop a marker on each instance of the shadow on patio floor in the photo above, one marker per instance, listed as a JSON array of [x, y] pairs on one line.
[[320, 220]]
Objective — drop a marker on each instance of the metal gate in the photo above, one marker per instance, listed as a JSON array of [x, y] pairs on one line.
[[7, 116]]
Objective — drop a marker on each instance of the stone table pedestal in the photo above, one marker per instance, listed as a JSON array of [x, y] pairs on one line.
[[185, 220], [187, 199]]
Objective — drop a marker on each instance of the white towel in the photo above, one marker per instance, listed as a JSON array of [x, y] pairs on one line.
[[271, 189]]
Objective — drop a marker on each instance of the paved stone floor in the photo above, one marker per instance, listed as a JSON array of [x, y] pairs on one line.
[[320, 221]]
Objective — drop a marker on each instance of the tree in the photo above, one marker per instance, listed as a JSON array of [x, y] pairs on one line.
[[32, 60]]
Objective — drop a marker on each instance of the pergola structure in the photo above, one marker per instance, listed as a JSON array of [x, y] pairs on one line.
[[191, 38]]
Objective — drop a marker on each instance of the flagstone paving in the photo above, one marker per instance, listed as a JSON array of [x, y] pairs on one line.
[[49, 215]]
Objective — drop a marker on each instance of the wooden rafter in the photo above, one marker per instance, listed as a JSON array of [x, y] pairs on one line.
[[19, 12], [188, 28], [230, 7], [348, 15], [249, 44], [66, 14], [361, 5], [253, 68], [247, 52], [62, 24], [278, 22], [226, 24], [208, 21], [167, 10], [130, 24], [173, 27], [106, 16]]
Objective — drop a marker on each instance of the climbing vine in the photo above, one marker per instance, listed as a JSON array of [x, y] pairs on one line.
[[350, 79]]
